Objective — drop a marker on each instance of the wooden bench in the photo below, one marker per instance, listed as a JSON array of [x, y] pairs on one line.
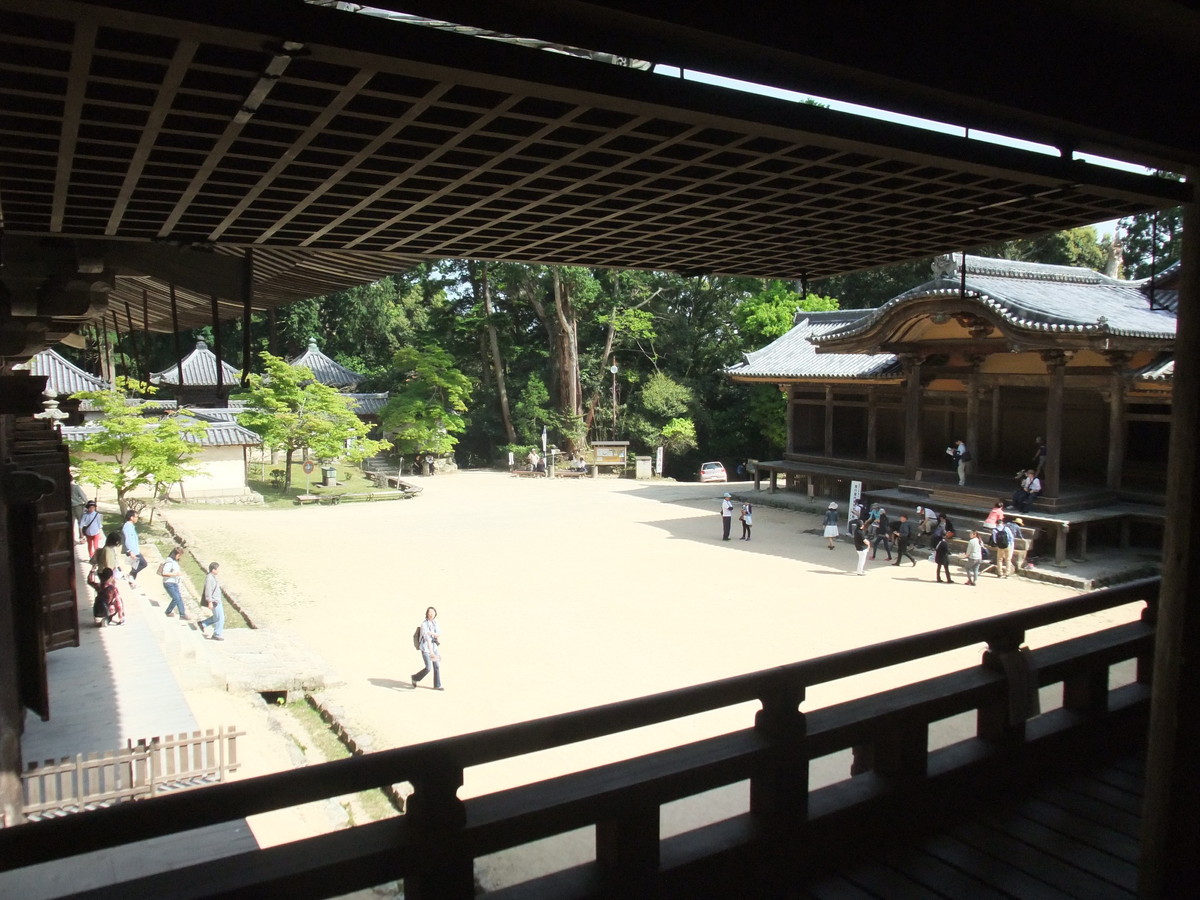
[[525, 473], [570, 473], [368, 496], [302, 499]]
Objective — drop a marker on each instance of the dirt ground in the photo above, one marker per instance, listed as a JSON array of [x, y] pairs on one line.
[[564, 594]]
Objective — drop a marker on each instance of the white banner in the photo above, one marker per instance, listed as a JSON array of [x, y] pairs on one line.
[[658, 461]]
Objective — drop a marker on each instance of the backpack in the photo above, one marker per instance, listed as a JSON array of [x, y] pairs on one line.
[[417, 638], [1001, 538]]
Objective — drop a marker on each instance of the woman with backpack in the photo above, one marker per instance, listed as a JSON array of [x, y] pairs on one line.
[[430, 646], [108, 606]]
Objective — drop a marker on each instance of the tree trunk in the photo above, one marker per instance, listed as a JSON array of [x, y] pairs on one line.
[[287, 470], [497, 360], [564, 357]]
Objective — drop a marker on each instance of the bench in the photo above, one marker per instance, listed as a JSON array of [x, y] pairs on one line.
[[302, 499], [369, 496], [570, 473], [525, 473]]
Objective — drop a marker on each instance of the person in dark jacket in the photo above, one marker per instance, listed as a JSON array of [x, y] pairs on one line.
[[905, 532], [859, 535], [941, 557], [883, 535]]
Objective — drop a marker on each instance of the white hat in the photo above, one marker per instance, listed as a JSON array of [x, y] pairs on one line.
[[727, 494], [833, 506]]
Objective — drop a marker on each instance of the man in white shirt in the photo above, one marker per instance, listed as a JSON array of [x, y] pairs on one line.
[[1030, 487]]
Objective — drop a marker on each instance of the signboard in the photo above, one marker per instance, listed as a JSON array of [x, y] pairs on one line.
[[308, 467], [855, 496], [658, 461], [610, 453]]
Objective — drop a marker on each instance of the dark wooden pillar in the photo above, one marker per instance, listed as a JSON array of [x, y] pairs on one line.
[[1170, 857], [912, 415], [216, 321], [976, 361], [247, 299], [175, 328], [1056, 364], [828, 421], [789, 391], [1116, 420], [993, 447], [872, 424]]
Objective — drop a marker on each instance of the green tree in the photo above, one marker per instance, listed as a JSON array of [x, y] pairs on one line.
[[425, 412], [678, 436], [1150, 246], [1072, 247], [132, 450], [291, 410]]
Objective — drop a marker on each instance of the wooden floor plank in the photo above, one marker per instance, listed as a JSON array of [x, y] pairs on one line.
[[1108, 840], [835, 887], [1119, 799], [1008, 879], [1094, 810], [939, 876], [1046, 867], [1070, 850], [885, 882]]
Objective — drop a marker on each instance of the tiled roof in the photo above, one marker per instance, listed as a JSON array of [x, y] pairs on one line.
[[1041, 297], [324, 369], [218, 434], [62, 376], [1159, 370], [199, 369], [794, 356], [367, 404], [150, 405]]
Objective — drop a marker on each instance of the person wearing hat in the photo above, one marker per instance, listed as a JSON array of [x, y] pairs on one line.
[[726, 515], [91, 526], [831, 525]]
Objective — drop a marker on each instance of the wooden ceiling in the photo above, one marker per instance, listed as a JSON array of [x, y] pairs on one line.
[[342, 147]]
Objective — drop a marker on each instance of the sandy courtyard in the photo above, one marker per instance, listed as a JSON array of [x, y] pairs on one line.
[[560, 595]]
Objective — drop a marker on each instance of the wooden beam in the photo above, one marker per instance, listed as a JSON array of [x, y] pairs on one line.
[[1055, 364]]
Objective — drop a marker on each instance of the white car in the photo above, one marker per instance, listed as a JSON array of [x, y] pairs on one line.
[[713, 471]]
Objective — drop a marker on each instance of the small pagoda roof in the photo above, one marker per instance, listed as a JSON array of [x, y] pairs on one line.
[[199, 370], [367, 404], [63, 377], [793, 355], [324, 369]]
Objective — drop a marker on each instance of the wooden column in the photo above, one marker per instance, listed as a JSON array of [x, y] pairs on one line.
[[1056, 364], [872, 424], [216, 320], [912, 415], [1170, 853], [175, 328], [828, 421], [789, 391], [993, 450], [1116, 420], [247, 298], [976, 360]]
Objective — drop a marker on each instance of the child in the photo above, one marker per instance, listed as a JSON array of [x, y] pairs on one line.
[[747, 519], [108, 608]]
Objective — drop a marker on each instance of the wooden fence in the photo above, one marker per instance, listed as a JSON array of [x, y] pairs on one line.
[[141, 770], [786, 826]]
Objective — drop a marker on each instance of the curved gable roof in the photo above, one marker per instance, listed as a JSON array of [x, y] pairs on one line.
[[324, 369], [1032, 297]]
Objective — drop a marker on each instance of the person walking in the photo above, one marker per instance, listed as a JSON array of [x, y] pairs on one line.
[[133, 546], [726, 515], [211, 598], [883, 534], [171, 572], [91, 526], [941, 556], [859, 535], [431, 648], [974, 558], [747, 518], [79, 502], [905, 532], [830, 531]]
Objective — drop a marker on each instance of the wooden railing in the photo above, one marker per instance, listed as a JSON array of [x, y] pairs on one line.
[[140, 771], [433, 846]]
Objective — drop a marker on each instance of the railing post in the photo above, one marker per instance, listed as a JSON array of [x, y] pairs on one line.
[[1145, 662], [779, 787], [435, 818], [1004, 721], [627, 850]]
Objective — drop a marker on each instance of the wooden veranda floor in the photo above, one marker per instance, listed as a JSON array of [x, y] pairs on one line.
[[1071, 836]]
